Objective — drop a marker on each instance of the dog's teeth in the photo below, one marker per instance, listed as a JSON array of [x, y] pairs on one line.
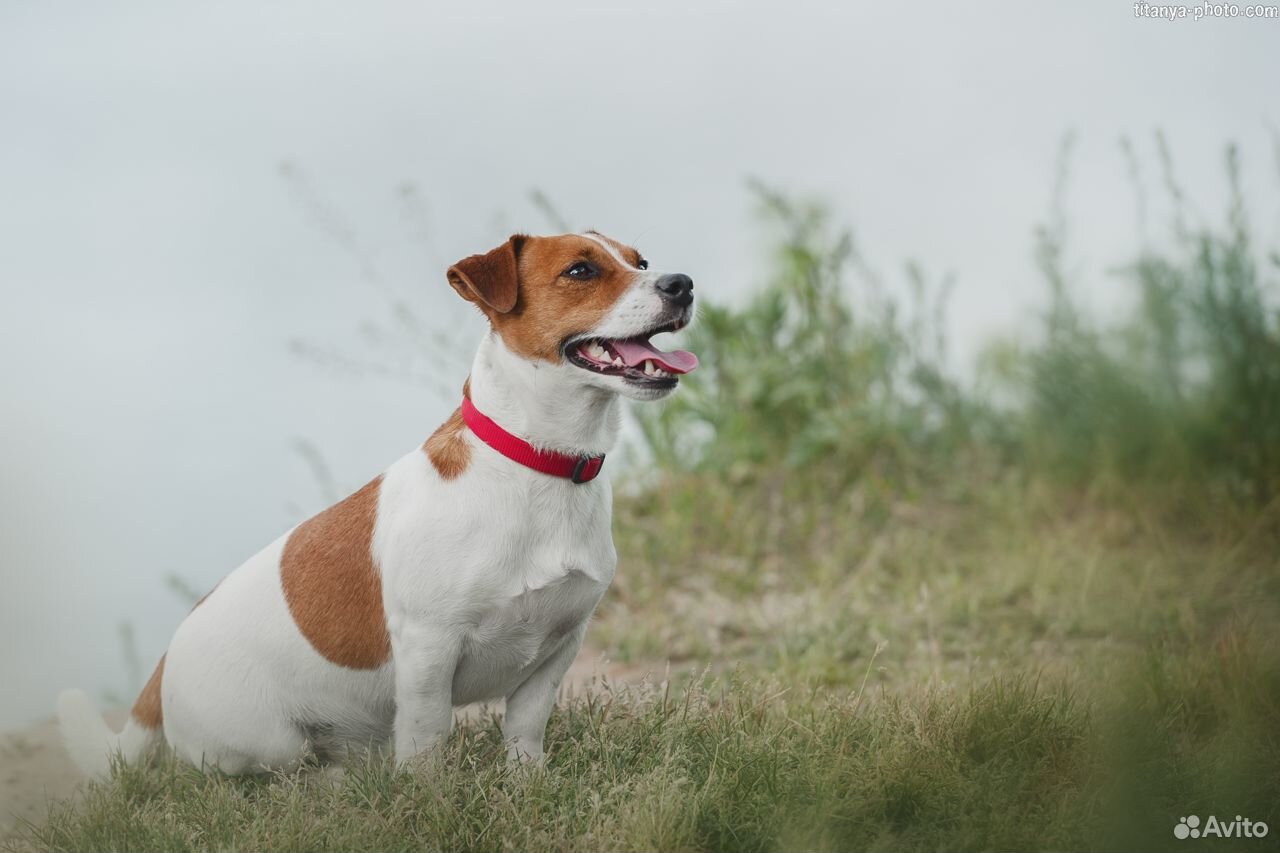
[[659, 372], [596, 351], [617, 361], [649, 368]]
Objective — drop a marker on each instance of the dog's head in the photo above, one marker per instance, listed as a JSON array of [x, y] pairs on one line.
[[585, 304]]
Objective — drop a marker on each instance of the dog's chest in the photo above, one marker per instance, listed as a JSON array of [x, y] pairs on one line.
[[512, 637], [529, 601], [515, 563]]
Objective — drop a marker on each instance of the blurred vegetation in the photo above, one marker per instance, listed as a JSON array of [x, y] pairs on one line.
[[825, 376], [824, 486], [1185, 391], [821, 373]]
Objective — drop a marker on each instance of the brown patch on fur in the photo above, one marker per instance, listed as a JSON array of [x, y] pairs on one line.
[[332, 586], [548, 306], [489, 280], [147, 711], [447, 447]]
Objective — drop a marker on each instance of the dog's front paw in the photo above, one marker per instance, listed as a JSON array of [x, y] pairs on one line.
[[525, 753]]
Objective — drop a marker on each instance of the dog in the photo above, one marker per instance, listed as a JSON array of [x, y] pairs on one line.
[[467, 571]]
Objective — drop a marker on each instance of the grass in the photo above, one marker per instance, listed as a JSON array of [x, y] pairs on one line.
[[1009, 763], [952, 587], [903, 612]]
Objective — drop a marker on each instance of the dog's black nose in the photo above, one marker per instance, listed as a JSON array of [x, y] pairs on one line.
[[676, 287]]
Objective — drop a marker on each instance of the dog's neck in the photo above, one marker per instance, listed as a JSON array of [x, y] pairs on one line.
[[545, 404]]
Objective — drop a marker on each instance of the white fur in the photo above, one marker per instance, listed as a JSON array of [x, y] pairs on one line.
[[89, 740], [488, 582], [613, 253]]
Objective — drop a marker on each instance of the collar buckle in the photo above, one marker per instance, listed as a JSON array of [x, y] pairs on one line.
[[587, 469]]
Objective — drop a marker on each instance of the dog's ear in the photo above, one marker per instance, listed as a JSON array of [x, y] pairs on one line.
[[491, 279]]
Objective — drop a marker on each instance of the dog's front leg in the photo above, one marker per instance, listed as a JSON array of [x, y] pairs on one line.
[[425, 661], [529, 706]]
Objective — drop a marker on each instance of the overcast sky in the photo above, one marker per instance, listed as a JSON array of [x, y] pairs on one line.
[[156, 260]]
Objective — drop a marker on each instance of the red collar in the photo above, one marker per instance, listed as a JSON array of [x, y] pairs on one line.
[[579, 469]]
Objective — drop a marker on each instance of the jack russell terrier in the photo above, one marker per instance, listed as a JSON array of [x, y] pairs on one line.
[[466, 572]]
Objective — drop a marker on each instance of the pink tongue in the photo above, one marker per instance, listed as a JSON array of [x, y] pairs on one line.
[[634, 353]]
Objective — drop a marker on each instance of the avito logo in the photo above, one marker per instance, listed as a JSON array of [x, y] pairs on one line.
[[1241, 827]]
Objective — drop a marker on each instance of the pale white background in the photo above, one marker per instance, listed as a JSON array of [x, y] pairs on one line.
[[155, 263]]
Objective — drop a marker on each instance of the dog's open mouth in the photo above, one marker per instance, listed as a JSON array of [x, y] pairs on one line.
[[634, 359]]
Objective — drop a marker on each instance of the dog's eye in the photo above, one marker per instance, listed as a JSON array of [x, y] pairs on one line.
[[581, 270], [642, 264]]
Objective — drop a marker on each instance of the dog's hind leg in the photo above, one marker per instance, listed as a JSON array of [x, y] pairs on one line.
[[270, 745], [345, 745]]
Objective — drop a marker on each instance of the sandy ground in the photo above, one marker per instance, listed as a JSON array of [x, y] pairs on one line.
[[36, 771]]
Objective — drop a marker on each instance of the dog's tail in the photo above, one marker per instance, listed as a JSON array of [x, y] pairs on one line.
[[91, 742]]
